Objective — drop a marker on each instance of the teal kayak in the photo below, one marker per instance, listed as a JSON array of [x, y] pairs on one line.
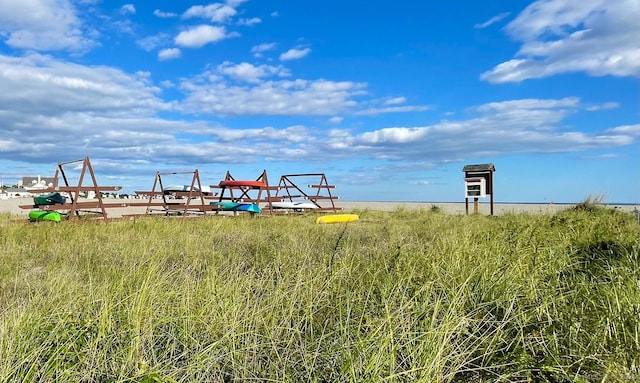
[[49, 199], [238, 206], [44, 215]]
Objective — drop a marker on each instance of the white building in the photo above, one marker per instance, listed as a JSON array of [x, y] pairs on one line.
[[36, 183]]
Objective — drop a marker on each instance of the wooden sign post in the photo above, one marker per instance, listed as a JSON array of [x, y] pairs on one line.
[[478, 183]]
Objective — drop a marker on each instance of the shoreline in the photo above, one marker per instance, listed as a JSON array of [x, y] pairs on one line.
[[12, 206]]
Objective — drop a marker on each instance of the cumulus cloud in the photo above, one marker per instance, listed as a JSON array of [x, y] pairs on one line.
[[294, 54], [37, 84], [250, 22], [259, 49], [169, 54], [249, 72], [260, 90], [44, 25], [209, 94], [199, 36], [128, 9], [393, 109], [73, 110], [597, 37], [164, 15], [72, 107], [632, 130], [150, 43], [216, 12], [294, 134], [515, 126]]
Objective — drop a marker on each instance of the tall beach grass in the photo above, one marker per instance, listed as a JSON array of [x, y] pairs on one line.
[[401, 296]]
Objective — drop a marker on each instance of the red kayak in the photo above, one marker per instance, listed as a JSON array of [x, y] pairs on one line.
[[239, 183]]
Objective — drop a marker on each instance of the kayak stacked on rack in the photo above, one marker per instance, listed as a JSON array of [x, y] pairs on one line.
[[43, 202], [49, 199], [299, 206], [238, 206], [45, 215]]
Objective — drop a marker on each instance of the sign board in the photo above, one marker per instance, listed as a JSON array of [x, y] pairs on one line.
[[475, 187], [478, 183]]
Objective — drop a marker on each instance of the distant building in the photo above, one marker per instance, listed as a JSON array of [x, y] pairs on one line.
[[35, 183], [17, 192]]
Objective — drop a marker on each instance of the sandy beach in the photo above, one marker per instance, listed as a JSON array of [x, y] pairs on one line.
[[12, 206]]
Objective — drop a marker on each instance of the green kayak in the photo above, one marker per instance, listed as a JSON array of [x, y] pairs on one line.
[[44, 215], [49, 199]]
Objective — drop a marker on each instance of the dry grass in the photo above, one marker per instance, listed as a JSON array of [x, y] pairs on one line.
[[402, 296]]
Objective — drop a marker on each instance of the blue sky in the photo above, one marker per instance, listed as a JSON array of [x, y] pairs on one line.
[[390, 100]]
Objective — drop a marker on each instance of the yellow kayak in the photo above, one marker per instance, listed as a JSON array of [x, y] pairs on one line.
[[337, 218]]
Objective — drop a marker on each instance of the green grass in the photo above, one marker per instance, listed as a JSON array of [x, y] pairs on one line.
[[402, 296]]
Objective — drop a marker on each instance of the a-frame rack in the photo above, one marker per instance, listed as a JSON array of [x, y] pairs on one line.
[[243, 190], [174, 207], [317, 192], [75, 207]]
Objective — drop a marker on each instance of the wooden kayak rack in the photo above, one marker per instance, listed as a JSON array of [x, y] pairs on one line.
[[251, 191], [163, 201], [317, 192], [75, 207], [192, 200]]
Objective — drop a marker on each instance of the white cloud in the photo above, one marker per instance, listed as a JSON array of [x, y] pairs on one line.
[[249, 72], [164, 15], [235, 3], [290, 134], [40, 85], [539, 114], [294, 54], [108, 114], [128, 9], [150, 43], [492, 20], [517, 126], [395, 101], [70, 106], [250, 22], [604, 106], [389, 105], [393, 135], [258, 50], [169, 54], [199, 36], [393, 109], [598, 37], [531, 103], [209, 94], [216, 12], [262, 92], [632, 130], [46, 25]]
